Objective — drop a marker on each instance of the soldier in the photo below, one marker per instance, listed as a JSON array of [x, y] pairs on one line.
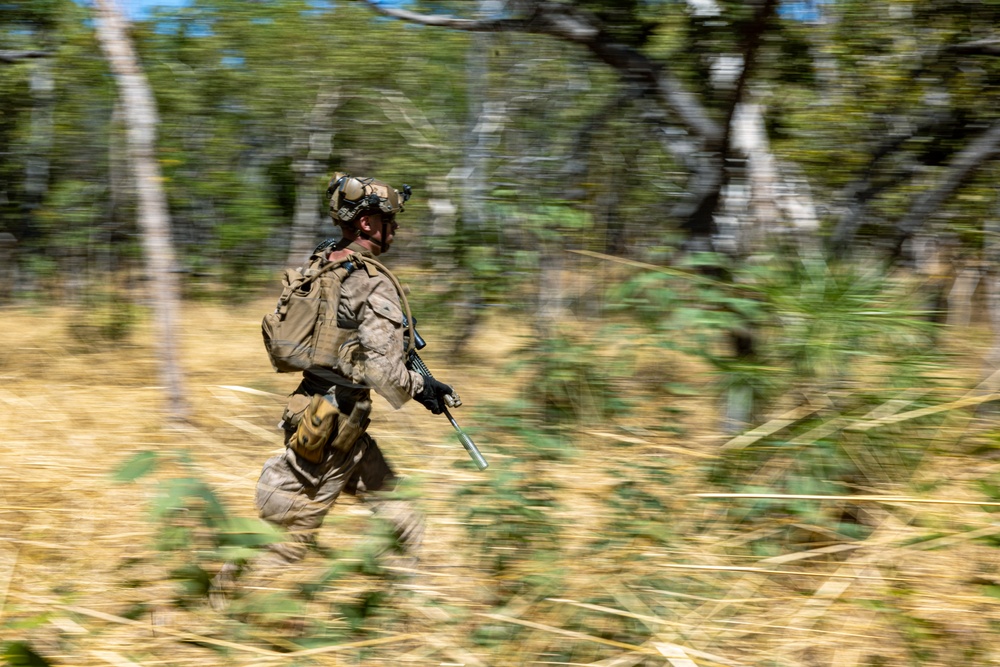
[[328, 450]]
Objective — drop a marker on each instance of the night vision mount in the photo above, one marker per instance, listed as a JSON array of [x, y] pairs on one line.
[[350, 196]]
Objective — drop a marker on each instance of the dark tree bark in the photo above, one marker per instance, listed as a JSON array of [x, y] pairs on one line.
[[9, 57], [154, 221], [568, 23], [980, 47], [959, 171], [871, 183]]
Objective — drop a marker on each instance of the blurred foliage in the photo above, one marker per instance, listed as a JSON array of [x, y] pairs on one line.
[[842, 338], [196, 535], [817, 325], [107, 318], [20, 654], [519, 148], [506, 517], [235, 83], [573, 377], [195, 532]]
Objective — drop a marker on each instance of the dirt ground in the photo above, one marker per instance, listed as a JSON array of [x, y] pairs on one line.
[[82, 581]]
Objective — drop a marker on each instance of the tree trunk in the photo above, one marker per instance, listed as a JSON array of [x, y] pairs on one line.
[[485, 122], [774, 204], [965, 164], [483, 126], [961, 294], [8, 267], [36, 168], [154, 220], [310, 154]]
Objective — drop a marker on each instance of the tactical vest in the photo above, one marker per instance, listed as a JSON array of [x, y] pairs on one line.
[[302, 332]]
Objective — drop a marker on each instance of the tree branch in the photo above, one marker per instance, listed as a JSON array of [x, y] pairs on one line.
[[568, 23], [455, 23], [959, 171], [574, 163], [7, 56], [980, 47], [866, 187]]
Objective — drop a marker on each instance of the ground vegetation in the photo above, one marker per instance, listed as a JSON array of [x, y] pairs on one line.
[[716, 281]]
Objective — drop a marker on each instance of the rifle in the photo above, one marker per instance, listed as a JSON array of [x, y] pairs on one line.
[[417, 364]]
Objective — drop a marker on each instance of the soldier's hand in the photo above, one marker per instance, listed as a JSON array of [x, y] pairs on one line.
[[432, 396]]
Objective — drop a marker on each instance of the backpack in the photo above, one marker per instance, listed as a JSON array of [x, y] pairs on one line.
[[300, 332]]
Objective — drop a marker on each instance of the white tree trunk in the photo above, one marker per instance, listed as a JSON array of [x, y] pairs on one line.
[[771, 201], [486, 124], [154, 220], [960, 296], [310, 154]]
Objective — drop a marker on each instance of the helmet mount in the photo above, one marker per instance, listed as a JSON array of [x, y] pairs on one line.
[[351, 195]]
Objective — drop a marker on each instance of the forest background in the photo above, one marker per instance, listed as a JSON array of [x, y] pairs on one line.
[[716, 280]]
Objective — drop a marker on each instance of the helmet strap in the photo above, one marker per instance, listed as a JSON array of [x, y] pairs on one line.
[[383, 244]]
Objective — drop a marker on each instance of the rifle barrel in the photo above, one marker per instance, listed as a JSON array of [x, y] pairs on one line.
[[463, 437]]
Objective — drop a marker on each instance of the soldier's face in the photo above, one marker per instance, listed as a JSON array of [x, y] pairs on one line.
[[386, 228], [380, 228]]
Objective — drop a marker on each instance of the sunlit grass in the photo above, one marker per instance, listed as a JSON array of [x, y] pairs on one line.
[[584, 540]]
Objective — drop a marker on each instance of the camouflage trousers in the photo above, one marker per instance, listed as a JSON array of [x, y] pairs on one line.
[[296, 495]]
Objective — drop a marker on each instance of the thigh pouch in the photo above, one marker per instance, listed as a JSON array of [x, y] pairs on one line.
[[317, 424], [321, 423]]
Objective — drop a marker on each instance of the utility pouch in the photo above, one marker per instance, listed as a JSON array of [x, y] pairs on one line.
[[318, 423], [296, 407], [354, 426]]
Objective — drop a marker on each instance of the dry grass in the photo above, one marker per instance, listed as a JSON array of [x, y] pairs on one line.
[[80, 579]]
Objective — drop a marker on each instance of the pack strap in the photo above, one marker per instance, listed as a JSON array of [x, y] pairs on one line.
[[358, 261], [349, 259]]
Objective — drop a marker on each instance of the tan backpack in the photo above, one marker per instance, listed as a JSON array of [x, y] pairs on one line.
[[301, 332]]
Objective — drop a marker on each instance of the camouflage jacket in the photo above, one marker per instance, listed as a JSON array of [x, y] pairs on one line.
[[372, 351]]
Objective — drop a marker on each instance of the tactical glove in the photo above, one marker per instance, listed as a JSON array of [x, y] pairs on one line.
[[432, 395]]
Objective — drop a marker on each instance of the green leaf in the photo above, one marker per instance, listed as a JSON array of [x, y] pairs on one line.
[[194, 580], [139, 465], [20, 654], [248, 532], [269, 607], [992, 590]]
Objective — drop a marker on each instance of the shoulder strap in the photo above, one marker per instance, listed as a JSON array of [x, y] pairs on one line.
[[332, 265]]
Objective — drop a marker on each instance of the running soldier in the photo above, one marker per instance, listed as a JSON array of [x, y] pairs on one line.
[[328, 450]]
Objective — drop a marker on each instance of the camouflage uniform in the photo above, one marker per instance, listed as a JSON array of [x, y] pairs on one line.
[[296, 493]]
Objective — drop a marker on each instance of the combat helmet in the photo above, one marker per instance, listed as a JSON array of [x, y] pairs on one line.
[[352, 195]]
